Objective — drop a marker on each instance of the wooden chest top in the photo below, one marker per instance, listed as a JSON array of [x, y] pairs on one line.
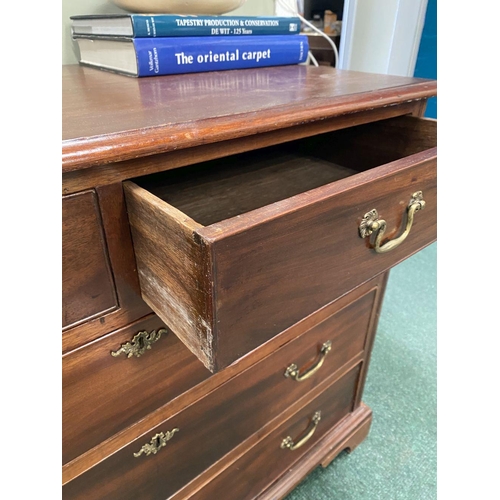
[[109, 118]]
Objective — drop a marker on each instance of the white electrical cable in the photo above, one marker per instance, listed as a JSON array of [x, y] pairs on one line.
[[310, 57], [306, 22]]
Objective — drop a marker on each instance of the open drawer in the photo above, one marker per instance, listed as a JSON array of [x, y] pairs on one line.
[[231, 252]]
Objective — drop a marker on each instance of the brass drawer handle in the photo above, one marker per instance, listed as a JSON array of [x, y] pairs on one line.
[[288, 441], [293, 371], [371, 223], [158, 441], [139, 344]]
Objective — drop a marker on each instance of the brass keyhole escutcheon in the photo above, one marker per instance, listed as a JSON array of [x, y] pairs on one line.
[[158, 441], [139, 344]]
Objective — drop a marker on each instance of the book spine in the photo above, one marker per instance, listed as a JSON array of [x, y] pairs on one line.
[[150, 26], [168, 56]]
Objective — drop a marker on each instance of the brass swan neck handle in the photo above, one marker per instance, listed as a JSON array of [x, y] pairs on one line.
[[372, 223], [289, 443], [292, 371]]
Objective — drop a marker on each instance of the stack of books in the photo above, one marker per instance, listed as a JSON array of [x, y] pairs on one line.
[[163, 44]]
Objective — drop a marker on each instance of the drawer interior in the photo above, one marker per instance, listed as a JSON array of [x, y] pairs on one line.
[[216, 190]]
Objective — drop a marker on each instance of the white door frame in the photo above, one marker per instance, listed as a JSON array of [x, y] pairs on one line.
[[381, 36]]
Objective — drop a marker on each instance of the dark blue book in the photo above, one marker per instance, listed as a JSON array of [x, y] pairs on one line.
[[161, 25], [171, 55]]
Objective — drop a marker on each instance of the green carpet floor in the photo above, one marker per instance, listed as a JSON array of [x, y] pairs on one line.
[[397, 461]]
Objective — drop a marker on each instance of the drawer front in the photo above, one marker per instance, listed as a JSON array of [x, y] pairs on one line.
[[280, 270], [116, 380], [215, 424], [88, 288], [258, 468]]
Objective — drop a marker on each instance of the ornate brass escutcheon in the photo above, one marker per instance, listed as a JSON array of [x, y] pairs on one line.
[[158, 441], [288, 441], [293, 371], [139, 344], [371, 223]]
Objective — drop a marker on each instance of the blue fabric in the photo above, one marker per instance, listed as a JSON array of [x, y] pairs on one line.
[[426, 66]]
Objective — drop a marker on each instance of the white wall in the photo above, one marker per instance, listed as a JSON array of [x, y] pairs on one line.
[[255, 8], [382, 36], [75, 7]]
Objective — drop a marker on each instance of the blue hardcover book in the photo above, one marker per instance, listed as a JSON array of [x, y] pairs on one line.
[[169, 55], [161, 25]]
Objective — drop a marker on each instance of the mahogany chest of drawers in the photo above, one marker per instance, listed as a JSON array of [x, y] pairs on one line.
[[227, 238]]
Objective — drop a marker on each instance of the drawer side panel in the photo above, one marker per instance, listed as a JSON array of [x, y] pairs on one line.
[[174, 269]]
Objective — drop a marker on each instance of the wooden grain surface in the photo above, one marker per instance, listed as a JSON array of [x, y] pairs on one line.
[[304, 251], [141, 428], [372, 144], [174, 270], [109, 173], [221, 189], [259, 468], [218, 422], [347, 435], [117, 269], [103, 394], [159, 476], [154, 115], [370, 338], [159, 124], [88, 287], [375, 294], [296, 251]]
